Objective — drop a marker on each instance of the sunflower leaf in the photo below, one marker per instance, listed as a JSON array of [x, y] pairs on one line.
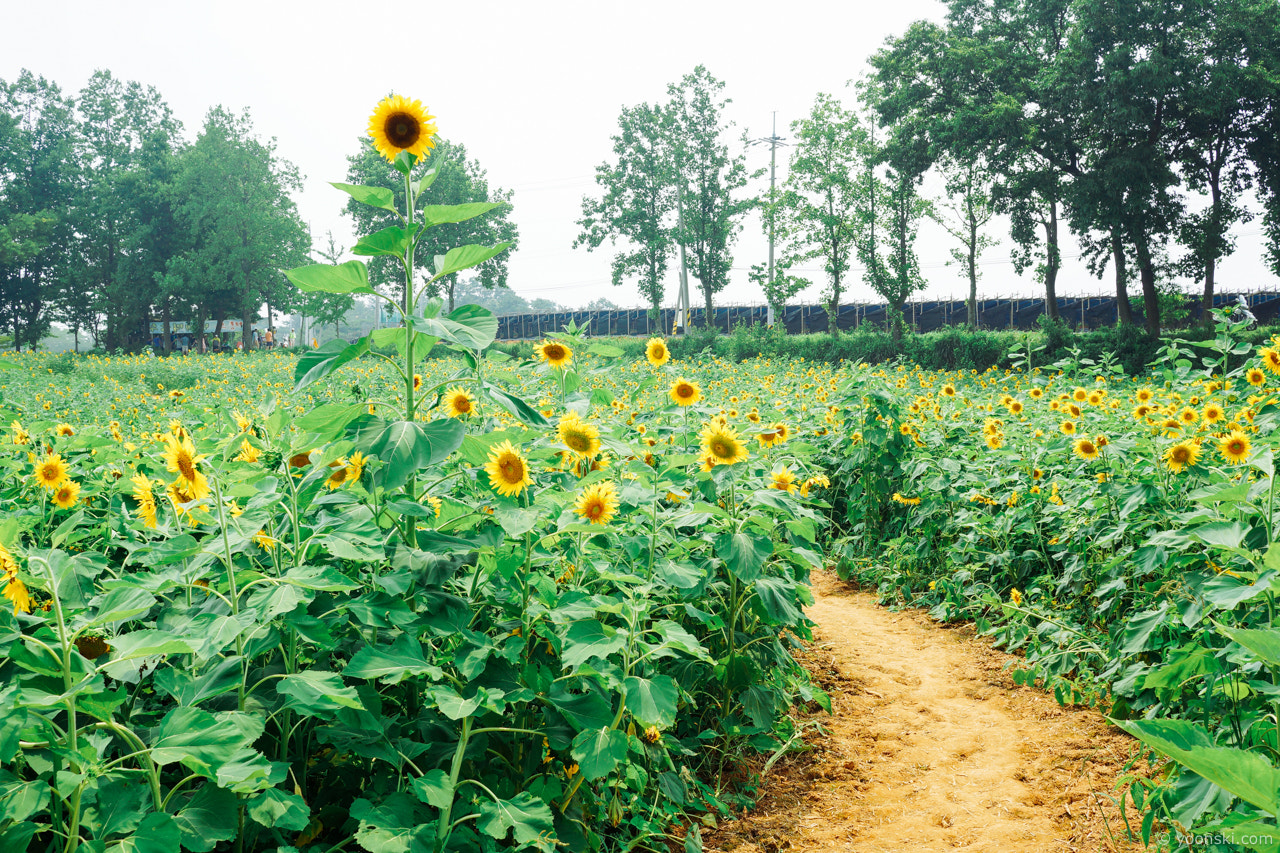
[[442, 214], [319, 363], [380, 197], [351, 277], [392, 240], [465, 257]]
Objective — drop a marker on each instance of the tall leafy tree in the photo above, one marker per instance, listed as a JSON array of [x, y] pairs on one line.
[[707, 177], [825, 211], [38, 176], [637, 202], [231, 196], [895, 270], [458, 180], [965, 210]]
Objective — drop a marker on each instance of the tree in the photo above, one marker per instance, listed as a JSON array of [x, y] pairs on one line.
[[600, 304], [125, 152], [457, 180], [966, 209], [37, 189], [324, 307], [824, 210], [501, 301], [708, 216], [637, 202], [231, 195], [896, 275]]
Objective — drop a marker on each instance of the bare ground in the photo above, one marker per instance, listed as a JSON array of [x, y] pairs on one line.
[[932, 747]]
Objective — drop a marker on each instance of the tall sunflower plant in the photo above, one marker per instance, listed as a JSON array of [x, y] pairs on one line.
[[398, 432]]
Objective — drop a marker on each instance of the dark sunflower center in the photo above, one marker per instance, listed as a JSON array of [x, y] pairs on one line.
[[577, 441], [1180, 454], [463, 405], [402, 129], [186, 467], [721, 449]]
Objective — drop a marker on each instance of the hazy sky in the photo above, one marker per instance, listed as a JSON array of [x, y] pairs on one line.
[[532, 89]]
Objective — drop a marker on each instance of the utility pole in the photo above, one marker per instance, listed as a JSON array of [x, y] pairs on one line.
[[773, 141], [682, 302]]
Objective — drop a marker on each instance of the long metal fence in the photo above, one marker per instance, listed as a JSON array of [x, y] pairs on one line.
[[923, 315]]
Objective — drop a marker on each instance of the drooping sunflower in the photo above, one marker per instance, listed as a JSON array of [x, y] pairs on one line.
[[508, 471], [685, 393], [1235, 447], [248, 453], [143, 494], [14, 589], [339, 475], [65, 430], [51, 471], [783, 479], [67, 493], [554, 353], [399, 124], [1086, 449], [597, 504], [579, 436], [458, 403], [1182, 455], [181, 458], [656, 351], [721, 445]]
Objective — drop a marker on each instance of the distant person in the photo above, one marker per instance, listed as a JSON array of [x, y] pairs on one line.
[[270, 338], [185, 343], [291, 339]]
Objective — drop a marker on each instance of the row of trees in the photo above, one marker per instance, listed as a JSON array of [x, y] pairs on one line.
[[1145, 127], [110, 219]]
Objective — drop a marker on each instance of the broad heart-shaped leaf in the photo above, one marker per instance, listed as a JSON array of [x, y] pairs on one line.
[[394, 336], [392, 826], [526, 814], [406, 446], [276, 808], [392, 240], [351, 277], [316, 694], [329, 420], [780, 600], [319, 363], [598, 751], [744, 554], [466, 257], [440, 214], [589, 638], [452, 705], [1248, 775], [380, 197], [202, 741], [1265, 644], [158, 833], [128, 649], [653, 700], [117, 808], [209, 817], [590, 710], [1139, 628], [469, 326], [19, 800], [434, 789], [393, 664]]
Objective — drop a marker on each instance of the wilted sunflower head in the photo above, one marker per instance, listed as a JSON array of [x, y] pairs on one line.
[[656, 351], [399, 124]]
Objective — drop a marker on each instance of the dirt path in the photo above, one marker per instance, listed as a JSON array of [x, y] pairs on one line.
[[931, 747]]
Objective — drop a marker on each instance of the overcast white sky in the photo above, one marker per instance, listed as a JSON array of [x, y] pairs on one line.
[[532, 89]]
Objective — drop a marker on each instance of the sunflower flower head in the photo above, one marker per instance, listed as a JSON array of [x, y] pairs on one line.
[[1234, 447], [554, 353], [458, 403], [598, 503], [685, 393], [399, 124], [51, 471], [579, 436], [721, 445], [508, 471], [783, 479], [66, 494], [655, 350]]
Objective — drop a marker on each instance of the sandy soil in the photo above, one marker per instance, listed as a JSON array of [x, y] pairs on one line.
[[932, 747]]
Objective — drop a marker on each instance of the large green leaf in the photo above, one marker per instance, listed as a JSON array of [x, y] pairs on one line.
[[392, 240], [744, 554], [598, 751], [434, 789], [1248, 775], [314, 693], [516, 406], [652, 700], [1140, 627], [1265, 644], [465, 257], [392, 664], [19, 800], [128, 649], [351, 277], [392, 826], [526, 814], [441, 214], [407, 446], [469, 326], [590, 638], [276, 808], [318, 363], [209, 817], [379, 197], [117, 808], [780, 600], [328, 421], [158, 833], [202, 741]]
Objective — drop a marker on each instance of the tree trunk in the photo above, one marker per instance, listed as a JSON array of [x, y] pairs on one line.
[[1213, 250], [1150, 296], [1051, 262], [706, 294], [246, 329], [1123, 312], [166, 329]]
